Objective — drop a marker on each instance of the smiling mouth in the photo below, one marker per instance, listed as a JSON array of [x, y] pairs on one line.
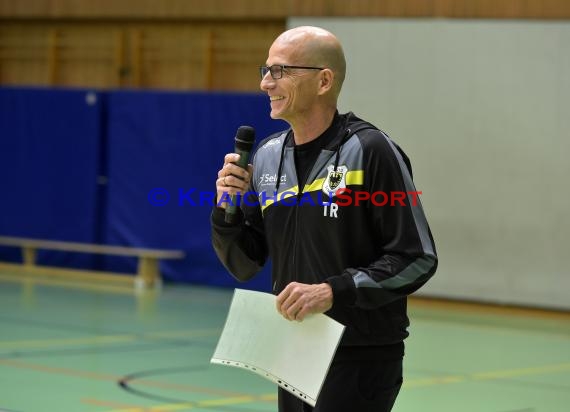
[[274, 98]]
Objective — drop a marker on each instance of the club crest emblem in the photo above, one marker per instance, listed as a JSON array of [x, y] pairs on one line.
[[336, 179]]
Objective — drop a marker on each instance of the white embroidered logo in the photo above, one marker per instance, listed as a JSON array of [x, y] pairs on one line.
[[336, 179], [268, 179]]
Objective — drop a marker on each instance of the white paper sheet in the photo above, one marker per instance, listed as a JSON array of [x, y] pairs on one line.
[[294, 355]]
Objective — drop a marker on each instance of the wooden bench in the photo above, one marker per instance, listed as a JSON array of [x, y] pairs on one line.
[[148, 274]]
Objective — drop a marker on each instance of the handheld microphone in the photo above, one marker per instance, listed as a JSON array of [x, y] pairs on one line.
[[245, 137]]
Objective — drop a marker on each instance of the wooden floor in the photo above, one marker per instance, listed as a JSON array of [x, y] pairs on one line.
[[97, 348]]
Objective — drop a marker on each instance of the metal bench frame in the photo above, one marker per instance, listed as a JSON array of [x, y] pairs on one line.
[[148, 274]]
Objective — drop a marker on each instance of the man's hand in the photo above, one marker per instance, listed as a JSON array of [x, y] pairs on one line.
[[232, 179], [298, 300]]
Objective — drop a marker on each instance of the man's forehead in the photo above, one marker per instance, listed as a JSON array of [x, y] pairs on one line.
[[283, 53]]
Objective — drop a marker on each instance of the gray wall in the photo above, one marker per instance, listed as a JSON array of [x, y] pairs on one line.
[[483, 110]]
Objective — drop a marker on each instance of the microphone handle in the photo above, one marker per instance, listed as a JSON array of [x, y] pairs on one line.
[[243, 158], [231, 208]]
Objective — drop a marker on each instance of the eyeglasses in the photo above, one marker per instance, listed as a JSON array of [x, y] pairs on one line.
[[276, 70]]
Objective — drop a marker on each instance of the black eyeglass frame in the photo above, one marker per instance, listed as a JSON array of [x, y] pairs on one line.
[[263, 70]]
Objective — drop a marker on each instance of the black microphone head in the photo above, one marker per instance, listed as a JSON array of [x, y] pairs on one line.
[[245, 137]]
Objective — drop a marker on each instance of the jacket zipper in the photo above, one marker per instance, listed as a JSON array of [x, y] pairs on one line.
[[296, 206], [295, 235]]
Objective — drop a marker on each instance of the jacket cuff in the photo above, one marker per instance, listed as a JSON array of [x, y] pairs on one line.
[[343, 288], [219, 217]]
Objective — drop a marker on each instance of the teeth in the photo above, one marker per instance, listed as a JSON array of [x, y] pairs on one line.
[[273, 98]]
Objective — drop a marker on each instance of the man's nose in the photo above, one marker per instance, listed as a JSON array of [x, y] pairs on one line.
[[267, 82]]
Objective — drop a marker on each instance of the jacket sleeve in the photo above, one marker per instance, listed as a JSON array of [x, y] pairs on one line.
[[406, 252], [241, 247]]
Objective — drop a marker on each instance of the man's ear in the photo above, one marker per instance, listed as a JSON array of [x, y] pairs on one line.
[[326, 80]]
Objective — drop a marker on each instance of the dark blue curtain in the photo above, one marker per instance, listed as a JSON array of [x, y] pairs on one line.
[[49, 163], [164, 152], [121, 168]]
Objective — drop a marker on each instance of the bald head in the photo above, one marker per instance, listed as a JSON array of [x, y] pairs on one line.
[[318, 47]]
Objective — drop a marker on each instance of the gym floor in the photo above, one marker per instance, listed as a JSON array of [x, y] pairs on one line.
[[82, 347]]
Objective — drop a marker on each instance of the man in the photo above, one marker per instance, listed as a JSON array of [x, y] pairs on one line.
[[337, 213]]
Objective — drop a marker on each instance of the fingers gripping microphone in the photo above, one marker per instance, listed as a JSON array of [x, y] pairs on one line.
[[245, 137]]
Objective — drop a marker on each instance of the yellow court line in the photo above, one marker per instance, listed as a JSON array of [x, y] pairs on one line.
[[226, 401], [47, 343], [488, 308], [487, 376], [185, 333], [228, 397], [204, 404], [102, 339], [111, 404], [411, 383], [539, 370], [440, 380], [497, 329], [210, 403], [114, 378], [235, 398], [83, 284], [58, 370]]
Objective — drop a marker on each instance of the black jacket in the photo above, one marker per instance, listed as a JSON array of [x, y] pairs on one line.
[[372, 254]]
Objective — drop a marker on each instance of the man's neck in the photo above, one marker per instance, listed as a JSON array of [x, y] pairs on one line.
[[311, 127]]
